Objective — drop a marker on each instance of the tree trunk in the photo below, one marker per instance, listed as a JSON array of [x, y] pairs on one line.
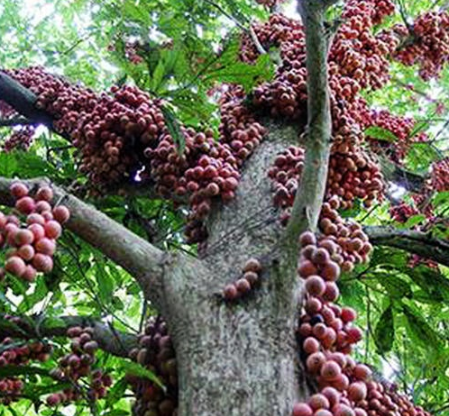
[[239, 358]]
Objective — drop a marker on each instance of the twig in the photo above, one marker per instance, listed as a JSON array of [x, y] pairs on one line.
[[249, 30]]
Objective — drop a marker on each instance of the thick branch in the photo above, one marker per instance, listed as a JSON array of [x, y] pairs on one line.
[[109, 339], [16, 121], [309, 198], [22, 100], [141, 259], [415, 242]]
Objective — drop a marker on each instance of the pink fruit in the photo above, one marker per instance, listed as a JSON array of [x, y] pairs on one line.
[[46, 246], [230, 292], [45, 193], [53, 229], [330, 371], [333, 395], [37, 230], [302, 409], [35, 219], [26, 252], [15, 265], [311, 345], [25, 205], [315, 361], [343, 410], [61, 214], [30, 274], [43, 263], [43, 206], [319, 401], [355, 334], [243, 286], [307, 238], [54, 399], [306, 268], [18, 190], [315, 285], [357, 391], [348, 314], [24, 237], [362, 372]]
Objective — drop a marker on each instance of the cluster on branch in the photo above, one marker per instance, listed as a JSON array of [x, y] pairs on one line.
[[31, 243], [156, 353], [401, 127], [327, 333], [124, 136], [15, 353], [76, 366]]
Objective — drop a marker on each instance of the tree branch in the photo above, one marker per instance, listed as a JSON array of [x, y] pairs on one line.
[[415, 242], [16, 121], [394, 173], [23, 101], [108, 338], [309, 198], [141, 259]]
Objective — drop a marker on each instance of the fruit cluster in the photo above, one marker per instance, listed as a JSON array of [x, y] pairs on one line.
[[439, 180], [78, 365], [32, 244], [350, 243], [132, 52], [15, 353], [20, 139], [402, 212], [156, 353], [124, 137], [249, 279], [426, 45], [327, 334], [353, 175], [285, 174], [401, 127]]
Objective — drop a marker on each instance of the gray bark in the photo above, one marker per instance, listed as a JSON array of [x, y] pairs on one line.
[[240, 358]]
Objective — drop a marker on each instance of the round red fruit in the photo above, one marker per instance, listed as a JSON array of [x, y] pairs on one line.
[[18, 190], [61, 214], [302, 409]]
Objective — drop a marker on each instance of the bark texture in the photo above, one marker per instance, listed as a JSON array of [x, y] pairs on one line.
[[240, 358]]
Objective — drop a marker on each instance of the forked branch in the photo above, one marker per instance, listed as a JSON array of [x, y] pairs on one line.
[[141, 259]]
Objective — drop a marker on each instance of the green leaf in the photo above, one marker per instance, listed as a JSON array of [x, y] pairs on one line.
[[105, 283], [419, 330], [117, 391], [395, 286], [434, 283], [384, 331], [174, 129], [415, 220], [379, 133], [158, 76], [34, 392], [139, 371]]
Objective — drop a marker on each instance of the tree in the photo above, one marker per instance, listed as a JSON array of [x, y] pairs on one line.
[[280, 195]]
